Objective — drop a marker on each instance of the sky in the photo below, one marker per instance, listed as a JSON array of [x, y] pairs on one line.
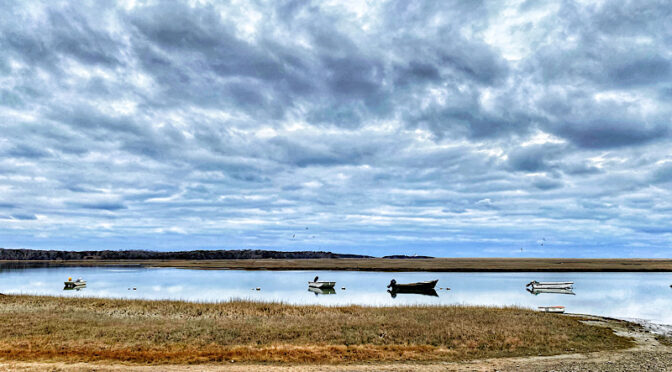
[[443, 128]]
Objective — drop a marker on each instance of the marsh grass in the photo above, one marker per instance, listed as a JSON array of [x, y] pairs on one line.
[[155, 332], [381, 264]]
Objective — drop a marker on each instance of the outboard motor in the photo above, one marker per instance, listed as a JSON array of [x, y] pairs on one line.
[[315, 280], [392, 284]]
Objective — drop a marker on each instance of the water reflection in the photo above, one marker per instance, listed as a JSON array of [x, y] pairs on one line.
[[624, 295], [78, 288], [322, 291], [551, 290], [418, 291]]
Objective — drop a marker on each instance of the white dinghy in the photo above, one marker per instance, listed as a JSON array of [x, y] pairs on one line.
[[550, 285], [552, 309], [321, 284]]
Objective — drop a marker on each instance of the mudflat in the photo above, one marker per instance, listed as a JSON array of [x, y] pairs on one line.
[[383, 264]]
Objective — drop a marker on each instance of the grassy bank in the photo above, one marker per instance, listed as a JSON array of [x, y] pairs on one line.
[[380, 264], [157, 332]]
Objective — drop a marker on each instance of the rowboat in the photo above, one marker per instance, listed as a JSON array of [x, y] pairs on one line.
[[550, 285], [74, 283], [430, 284], [536, 291], [552, 309], [321, 284]]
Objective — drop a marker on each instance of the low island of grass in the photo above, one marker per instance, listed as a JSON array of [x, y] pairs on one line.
[[56, 329]]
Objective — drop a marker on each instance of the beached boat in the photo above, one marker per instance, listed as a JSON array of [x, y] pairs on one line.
[[536, 291], [430, 284], [549, 285], [321, 284], [552, 309], [74, 283]]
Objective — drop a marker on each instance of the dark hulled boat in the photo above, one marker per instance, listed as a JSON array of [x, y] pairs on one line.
[[430, 284]]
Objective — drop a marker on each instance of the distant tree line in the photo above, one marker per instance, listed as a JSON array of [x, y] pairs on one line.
[[30, 254]]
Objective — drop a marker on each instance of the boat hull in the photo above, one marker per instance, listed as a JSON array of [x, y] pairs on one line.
[[552, 309], [74, 284], [417, 286], [550, 285], [321, 284]]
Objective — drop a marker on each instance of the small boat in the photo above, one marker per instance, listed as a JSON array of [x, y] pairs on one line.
[[74, 283], [552, 309], [567, 291], [430, 284], [549, 285], [322, 291], [318, 284]]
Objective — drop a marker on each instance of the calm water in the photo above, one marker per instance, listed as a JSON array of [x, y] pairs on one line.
[[623, 295]]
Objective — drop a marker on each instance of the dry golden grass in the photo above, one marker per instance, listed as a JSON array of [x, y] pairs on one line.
[[157, 332], [380, 264]]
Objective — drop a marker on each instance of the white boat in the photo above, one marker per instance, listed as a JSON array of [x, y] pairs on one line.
[[552, 309], [550, 285], [321, 284]]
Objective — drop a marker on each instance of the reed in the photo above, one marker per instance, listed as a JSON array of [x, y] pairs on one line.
[[158, 332]]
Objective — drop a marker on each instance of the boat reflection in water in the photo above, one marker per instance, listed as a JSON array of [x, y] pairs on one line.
[[420, 291], [77, 288], [536, 291], [322, 291]]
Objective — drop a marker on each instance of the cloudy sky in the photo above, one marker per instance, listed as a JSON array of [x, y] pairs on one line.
[[449, 128]]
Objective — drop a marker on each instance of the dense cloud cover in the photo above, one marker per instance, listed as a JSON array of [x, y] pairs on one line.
[[449, 128]]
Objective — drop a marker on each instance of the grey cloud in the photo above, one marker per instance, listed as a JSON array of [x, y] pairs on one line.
[[545, 183], [535, 158], [662, 173], [607, 133], [70, 35], [103, 205], [24, 216], [411, 117], [27, 151]]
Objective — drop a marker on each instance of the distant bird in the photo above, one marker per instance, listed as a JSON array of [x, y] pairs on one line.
[[293, 236]]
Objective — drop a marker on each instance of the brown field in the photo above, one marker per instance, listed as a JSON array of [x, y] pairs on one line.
[[380, 264], [35, 328]]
